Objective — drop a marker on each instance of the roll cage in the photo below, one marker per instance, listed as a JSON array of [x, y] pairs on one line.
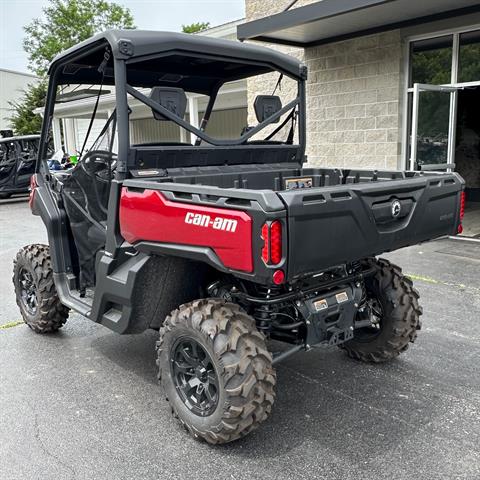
[[132, 60]]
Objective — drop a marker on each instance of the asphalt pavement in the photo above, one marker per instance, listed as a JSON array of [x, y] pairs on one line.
[[85, 404]]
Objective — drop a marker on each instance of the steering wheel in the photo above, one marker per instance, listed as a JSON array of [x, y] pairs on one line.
[[99, 165], [96, 162]]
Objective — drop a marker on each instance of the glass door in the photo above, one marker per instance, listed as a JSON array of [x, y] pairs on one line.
[[432, 145]]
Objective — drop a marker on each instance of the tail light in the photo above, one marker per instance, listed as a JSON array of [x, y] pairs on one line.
[[272, 243], [33, 186], [462, 211]]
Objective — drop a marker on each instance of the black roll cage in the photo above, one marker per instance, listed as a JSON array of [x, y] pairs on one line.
[[123, 89]]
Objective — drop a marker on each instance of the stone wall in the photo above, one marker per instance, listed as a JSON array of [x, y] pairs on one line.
[[353, 96]]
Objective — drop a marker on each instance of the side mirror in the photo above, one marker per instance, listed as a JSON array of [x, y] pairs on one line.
[[265, 106]]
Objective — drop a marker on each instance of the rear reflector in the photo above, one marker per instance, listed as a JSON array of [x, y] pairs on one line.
[[272, 243], [278, 277]]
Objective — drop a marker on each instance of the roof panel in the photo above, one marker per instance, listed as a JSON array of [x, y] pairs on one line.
[[144, 42]]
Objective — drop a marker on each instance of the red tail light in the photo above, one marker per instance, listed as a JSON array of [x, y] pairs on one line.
[[275, 242], [266, 244], [462, 211], [272, 243]]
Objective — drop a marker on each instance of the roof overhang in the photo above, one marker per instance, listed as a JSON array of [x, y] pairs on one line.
[[329, 21]]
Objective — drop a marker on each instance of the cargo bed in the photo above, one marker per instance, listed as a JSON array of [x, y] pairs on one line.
[[345, 215]]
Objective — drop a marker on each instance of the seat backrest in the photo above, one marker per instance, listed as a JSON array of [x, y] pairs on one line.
[[171, 98], [267, 105]]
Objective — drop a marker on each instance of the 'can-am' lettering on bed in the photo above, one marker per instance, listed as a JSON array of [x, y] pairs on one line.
[[217, 223]]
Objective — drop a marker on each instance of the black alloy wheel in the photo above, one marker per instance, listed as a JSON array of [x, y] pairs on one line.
[[194, 376]]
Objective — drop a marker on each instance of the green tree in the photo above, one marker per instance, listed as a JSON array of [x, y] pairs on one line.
[[67, 22], [23, 121], [64, 23], [195, 27]]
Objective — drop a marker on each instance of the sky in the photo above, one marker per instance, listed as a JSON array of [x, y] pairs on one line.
[[148, 15]]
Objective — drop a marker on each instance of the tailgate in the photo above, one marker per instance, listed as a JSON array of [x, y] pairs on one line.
[[334, 225]]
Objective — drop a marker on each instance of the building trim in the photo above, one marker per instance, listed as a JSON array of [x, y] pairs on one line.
[[16, 72], [263, 28]]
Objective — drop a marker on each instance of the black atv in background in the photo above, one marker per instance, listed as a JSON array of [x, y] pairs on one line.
[[221, 244], [18, 156]]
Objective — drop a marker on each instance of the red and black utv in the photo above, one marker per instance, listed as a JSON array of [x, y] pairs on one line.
[[221, 244]]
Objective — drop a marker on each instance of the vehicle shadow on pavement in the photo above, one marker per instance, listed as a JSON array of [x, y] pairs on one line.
[[323, 398], [337, 405], [133, 353]]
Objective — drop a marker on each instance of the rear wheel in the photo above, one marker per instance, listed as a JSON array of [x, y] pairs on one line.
[[3, 196], [35, 291], [216, 370], [394, 311]]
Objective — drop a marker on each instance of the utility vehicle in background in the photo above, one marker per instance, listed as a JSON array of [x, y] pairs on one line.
[[18, 156], [221, 244]]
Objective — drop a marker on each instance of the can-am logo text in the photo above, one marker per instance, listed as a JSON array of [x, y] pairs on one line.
[[217, 223]]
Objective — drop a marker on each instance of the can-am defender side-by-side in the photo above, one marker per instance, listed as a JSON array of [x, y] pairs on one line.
[[18, 156], [220, 244]]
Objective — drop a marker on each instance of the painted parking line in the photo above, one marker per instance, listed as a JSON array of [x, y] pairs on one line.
[[460, 286], [11, 324]]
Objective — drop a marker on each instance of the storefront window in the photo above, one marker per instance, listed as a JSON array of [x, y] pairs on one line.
[[469, 57], [433, 124], [431, 61]]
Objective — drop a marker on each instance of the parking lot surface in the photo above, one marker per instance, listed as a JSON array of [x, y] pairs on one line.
[[85, 403]]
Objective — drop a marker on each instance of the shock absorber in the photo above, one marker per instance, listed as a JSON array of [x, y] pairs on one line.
[[360, 283], [263, 312]]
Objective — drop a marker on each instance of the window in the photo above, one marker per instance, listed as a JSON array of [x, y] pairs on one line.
[[431, 61], [469, 57]]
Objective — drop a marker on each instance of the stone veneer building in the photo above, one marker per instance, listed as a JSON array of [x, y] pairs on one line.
[[380, 73]]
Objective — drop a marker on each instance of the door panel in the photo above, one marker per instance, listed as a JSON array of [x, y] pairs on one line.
[[433, 132], [27, 154]]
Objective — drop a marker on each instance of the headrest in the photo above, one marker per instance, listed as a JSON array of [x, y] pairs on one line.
[[267, 105], [173, 99]]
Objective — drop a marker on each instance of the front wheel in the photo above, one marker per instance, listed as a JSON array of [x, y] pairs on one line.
[[35, 291], [216, 370], [392, 303]]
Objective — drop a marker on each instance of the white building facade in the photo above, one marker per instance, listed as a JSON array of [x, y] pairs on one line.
[[12, 86]]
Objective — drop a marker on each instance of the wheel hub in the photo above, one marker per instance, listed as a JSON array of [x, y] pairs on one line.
[[194, 376], [28, 291]]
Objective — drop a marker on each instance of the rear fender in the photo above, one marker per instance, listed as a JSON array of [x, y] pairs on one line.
[[140, 292]]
